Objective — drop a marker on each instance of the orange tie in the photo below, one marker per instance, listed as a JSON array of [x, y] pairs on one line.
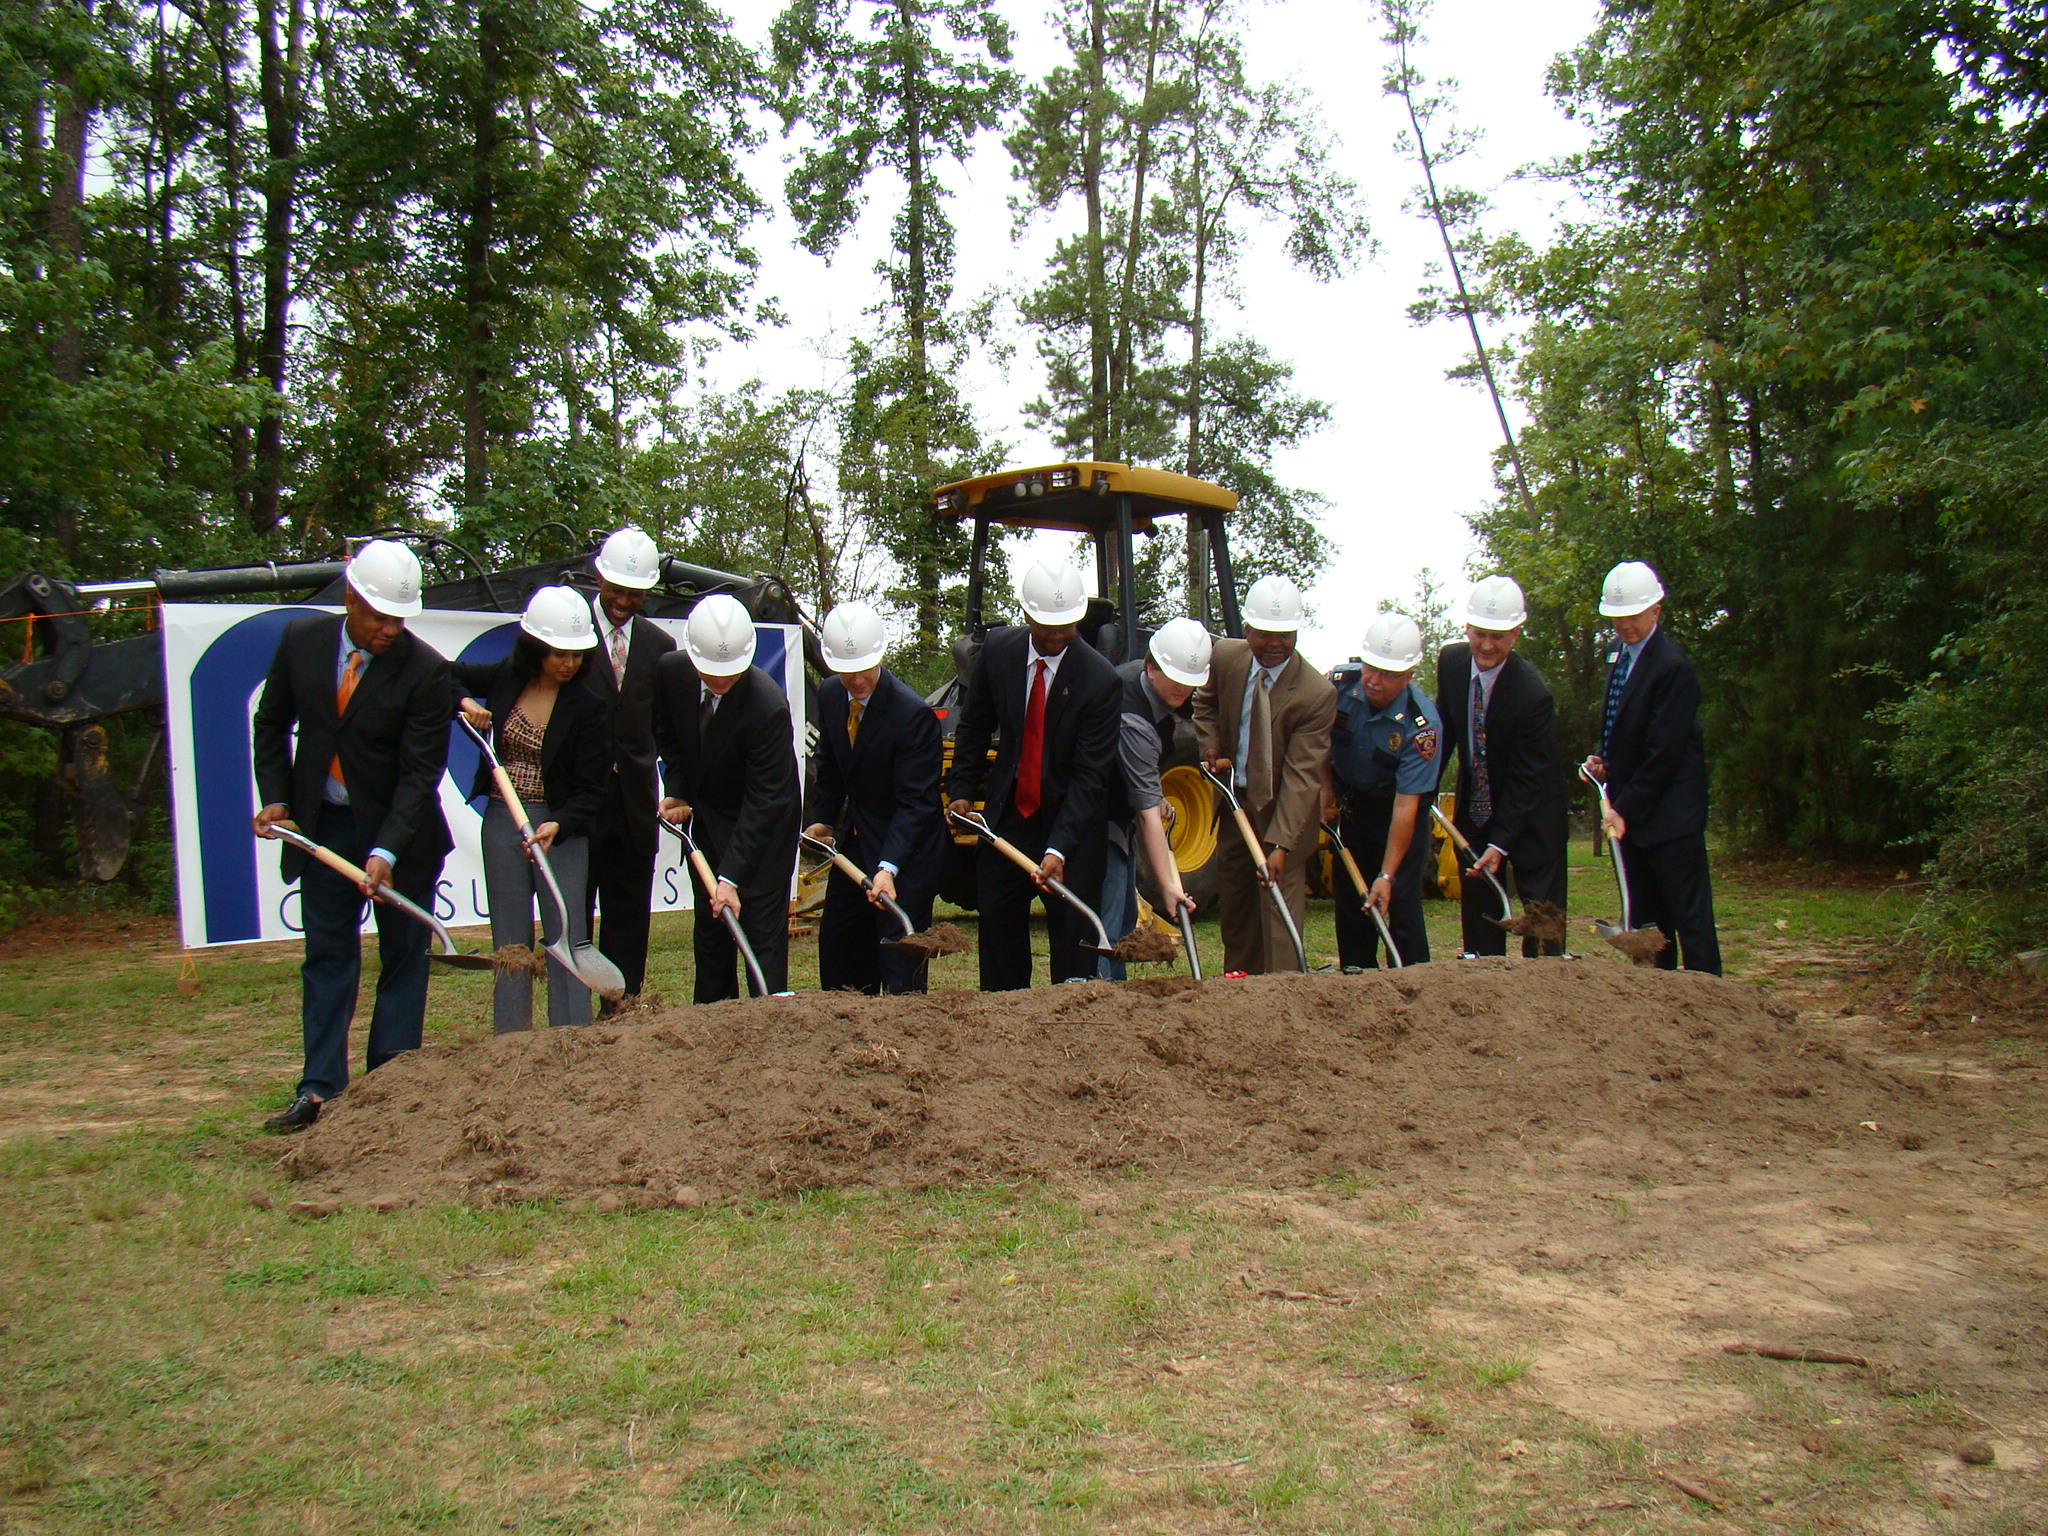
[[853, 715], [343, 692]]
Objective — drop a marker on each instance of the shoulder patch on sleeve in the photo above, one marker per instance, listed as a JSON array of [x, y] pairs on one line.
[[1425, 743]]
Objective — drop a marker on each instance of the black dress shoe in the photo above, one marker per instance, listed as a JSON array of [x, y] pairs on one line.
[[296, 1116]]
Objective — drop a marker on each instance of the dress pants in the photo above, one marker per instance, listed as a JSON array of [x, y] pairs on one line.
[[620, 890], [1668, 887], [1255, 941], [1364, 824], [764, 919], [331, 911], [513, 885], [851, 930], [1119, 907], [1479, 902], [1006, 894]]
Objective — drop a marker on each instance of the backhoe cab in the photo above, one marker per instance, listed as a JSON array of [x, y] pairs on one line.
[[1112, 504]]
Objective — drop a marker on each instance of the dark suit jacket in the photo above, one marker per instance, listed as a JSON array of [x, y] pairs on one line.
[[629, 715], [575, 750], [393, 742], [741, 781], [1523, 766], [1080, 737], [882, 793], [1656, 759]]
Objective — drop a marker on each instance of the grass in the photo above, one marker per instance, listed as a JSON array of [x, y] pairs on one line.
[[994, 1359]]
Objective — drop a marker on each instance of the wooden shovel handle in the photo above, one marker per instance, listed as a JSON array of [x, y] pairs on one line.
[[848, 868], [1351, 869], [703, 867], [337, 863], [1464, 845], [1014, 854], [512, 800], [1251, 838]]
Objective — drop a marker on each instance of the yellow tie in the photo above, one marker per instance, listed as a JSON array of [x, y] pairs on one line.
[[853, 720], [343, 692]]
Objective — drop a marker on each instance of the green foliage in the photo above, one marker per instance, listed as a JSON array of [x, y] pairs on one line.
[[1797, 363]]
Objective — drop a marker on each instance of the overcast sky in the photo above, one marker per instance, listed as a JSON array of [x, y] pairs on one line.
[[1406, 455]]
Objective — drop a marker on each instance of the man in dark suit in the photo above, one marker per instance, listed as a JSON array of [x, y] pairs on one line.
[[624, 839], [1497, 712], [877, 797], [371, 703], [1051, 701], [1654, 763], [728, 758]]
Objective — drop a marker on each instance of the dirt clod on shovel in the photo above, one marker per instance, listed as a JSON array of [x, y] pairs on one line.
[[514, 958], [1542, 921], [1147, 946], [939, 939], [1642, 945]]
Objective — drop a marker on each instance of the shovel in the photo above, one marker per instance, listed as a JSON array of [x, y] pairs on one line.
[[1251, 843], [1364, 892], [1187, 937], [702, 866], [981, 829], [448, 954], [1507, 908], [853, 872], [584, 961], [1631, 941]]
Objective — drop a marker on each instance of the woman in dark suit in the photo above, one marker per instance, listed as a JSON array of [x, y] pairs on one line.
[[551, 735]]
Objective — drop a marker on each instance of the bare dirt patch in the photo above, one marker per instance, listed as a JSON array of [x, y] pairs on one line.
[[1502, 1066]]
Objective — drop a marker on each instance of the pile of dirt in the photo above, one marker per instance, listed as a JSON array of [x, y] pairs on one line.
[[1508, 1066]]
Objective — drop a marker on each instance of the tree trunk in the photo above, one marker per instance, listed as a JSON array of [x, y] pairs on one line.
[[280, 69], [234, 175], [1198, 534], [1120, 355], [1100, 446], [486, 132], [917, 316], [67, 241]]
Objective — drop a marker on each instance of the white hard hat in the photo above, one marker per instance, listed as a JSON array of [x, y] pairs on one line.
[[1053, 592], [852, 637], [1630, 588], [1180, 648], [629, 559], [1496, 603], [1274, 605], [720, 636], [386, 575], [559, 619], [1392, 643]]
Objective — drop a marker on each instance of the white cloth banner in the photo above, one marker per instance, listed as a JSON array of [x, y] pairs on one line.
[[216, 657]]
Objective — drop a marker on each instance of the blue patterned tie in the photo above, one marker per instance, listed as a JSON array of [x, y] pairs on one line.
[[1616, 681], [1482, 783]]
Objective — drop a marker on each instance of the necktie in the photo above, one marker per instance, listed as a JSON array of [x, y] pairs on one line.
[[1482, 782], [619, 656], [853, 714], [705, 711], [1258, 769], [345, 690], [1617, 679], [1031, 751]]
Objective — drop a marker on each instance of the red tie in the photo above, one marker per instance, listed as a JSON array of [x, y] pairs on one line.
[[1032, 751]]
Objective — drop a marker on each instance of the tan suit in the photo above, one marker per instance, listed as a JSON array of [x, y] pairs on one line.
[[1303, 707]]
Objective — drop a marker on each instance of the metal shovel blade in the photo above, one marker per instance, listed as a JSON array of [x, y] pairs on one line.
[[1101, 946], [586, 962]]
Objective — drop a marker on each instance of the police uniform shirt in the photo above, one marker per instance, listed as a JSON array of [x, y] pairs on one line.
[[1381, 753]]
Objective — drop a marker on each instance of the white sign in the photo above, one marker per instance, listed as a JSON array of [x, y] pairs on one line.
[[216, 657]]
